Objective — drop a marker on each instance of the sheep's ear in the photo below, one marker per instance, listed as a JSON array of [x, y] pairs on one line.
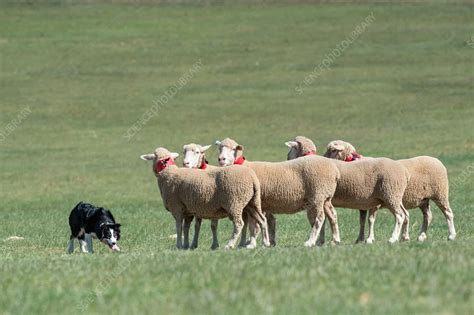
[[291, 144], [205, 148], [147, 157], [239, 147], [218, 142], [174, 155]]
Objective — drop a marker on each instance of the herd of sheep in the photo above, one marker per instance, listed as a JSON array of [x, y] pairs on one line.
[[251, 193]]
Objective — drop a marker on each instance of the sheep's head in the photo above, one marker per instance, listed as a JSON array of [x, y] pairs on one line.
[[194, 156], [229, 151], [300, 146], [339, 150], [161, 157]]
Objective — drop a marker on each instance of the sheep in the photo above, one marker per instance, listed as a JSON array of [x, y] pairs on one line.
[[366, 184], [301, 146], [428, 181], [195, 157], [291, 186], [214, 194]]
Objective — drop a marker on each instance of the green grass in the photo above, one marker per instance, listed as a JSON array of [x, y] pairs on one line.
[[89, 71]]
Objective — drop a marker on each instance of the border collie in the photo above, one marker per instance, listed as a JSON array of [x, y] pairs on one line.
[[88, 221]]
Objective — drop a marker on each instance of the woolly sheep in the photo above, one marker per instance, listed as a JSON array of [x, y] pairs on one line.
[[366, 184], [195, 157], [215, 194], [291, 186], [428, 181]]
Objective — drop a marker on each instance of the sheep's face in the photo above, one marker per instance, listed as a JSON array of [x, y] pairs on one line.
[[229, 151], [334, 154], [194, 155], [161, 158], [335, 150], [295, 150], [227, 155]]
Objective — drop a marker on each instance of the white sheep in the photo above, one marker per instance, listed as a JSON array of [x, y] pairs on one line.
[[428, 181], [366, 184], [291, 186], [214, 194], [195, 157]]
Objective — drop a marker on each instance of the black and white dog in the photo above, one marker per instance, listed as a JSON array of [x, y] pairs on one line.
[[87, 222]]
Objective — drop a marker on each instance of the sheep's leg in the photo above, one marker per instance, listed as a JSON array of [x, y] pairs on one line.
[[331, 216], [238, 225], [257, 217], [253, 233], [372, 217], [362, 219], [179, 232], [243, 237], [399, 213], [427, 217], [271, 222], [70, 245], [405, 227], [448, 214], [215, 241], [316, 218], [322, 237], [186, 226], [197, 228]]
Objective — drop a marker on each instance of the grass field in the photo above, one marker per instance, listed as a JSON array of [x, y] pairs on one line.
[[76, 77]]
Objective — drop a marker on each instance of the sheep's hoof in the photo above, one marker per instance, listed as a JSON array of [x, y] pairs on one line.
[[422, 237], [359, 240], [335, 243], [308, 244], [392, 240], [273, 243], [370, 241], [320, 243], [251, 246], [451, 237], [229, 247], [405, 238], [214, 246]]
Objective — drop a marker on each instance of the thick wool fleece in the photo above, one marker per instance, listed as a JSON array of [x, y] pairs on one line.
[[428, 179], [288, 186], [216, 193], [212, 194], [367, 184]]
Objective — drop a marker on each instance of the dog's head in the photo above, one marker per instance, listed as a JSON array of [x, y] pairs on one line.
[[110, 235]]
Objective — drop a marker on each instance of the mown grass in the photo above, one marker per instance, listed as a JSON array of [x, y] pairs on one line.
[[89, 71]]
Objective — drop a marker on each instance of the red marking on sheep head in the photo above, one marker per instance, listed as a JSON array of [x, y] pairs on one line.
[[163, 163]]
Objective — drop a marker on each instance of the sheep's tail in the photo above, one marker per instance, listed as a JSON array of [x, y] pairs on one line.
[[255, 204]]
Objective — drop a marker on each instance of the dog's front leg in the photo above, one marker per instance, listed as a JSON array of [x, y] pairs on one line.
[[83, 244], [88, 238], [70, 246]]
